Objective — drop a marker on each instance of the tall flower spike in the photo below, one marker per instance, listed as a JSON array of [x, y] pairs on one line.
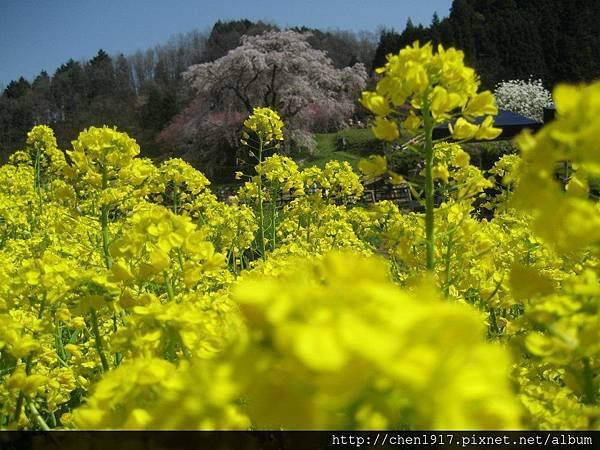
[[266, 123], [425, 89]]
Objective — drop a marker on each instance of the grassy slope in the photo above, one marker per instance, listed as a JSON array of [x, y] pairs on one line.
[[358, 143]]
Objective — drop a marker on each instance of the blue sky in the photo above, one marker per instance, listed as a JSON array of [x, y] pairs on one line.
[[42, 34]]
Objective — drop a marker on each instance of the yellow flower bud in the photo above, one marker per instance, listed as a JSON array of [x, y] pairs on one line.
[[463, 129], [385, 129], [375, 103], [487, 131], [482, 104]]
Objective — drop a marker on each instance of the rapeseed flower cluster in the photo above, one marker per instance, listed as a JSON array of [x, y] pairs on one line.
[[266, 124], [431, 87], [132, 298]]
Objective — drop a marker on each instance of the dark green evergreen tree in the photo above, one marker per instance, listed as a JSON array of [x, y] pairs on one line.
[[555, 40]]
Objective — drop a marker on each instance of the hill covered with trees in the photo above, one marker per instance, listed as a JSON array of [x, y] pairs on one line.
[[143, 92], [554, 40]]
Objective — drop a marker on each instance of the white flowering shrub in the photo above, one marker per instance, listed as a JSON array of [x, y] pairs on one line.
[[527, 98]]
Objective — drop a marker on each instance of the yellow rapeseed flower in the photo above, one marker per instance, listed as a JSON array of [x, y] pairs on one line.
[[266, 123]]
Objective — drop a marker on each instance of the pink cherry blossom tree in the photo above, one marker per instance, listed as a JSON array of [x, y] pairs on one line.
[[278, 69]]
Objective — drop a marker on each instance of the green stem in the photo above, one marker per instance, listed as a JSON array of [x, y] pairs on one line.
[[233, 263], [38, 174], [53, 419], [104, 223], [273, 219], [494, 322], [429, 191], [588, 381], [60, 348], [108, 263], [180, 259], [28, 363], [21, 396], [175, 198], [170, 292], [36, 414], [37, 186], [448, 261], [98, 341], [117, 357], [261, 214], [36, 169]]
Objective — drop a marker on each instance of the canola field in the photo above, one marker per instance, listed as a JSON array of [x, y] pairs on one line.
[[131, 298]]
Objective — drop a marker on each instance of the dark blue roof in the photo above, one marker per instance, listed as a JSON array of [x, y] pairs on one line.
[[510, 118]]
